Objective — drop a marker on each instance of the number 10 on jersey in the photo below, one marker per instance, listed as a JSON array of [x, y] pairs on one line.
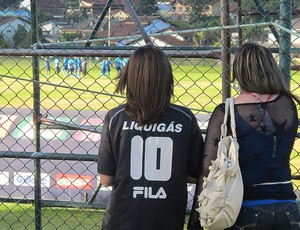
[[152, 158]]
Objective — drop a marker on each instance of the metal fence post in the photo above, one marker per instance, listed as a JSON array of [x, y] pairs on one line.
[[36, 114], [285, 40], [225, 50]]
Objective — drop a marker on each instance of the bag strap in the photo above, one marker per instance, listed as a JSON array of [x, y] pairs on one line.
[[232, 117], [229, 107]]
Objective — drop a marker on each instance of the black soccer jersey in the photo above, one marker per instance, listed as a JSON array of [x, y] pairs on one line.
[[150, 165]]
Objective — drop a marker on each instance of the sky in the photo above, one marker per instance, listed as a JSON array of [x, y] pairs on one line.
[[26, 3]]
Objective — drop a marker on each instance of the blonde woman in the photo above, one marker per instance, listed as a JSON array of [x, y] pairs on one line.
[[266, 126]]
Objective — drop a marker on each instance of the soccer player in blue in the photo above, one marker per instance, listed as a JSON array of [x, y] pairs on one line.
[[56, 66], [71, 67], [79, 68], [118, 64], [149, 150], [47, 66], [66, 66], [103, 71], [76, 66], [108, 65]]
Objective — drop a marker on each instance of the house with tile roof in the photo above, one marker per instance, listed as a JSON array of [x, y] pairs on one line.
[[95, 7], [166, 38], [126, 32], [161, 33], [81, 29], [21, 12], [9, 26], [51, 29], [181, 10], [103, 2], [119, 15], [127, 29], [54, 8]]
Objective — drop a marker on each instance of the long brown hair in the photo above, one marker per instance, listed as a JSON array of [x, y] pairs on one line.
[[256, 70], [147, 81]]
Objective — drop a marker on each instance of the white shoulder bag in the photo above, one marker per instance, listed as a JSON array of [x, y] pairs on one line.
[[222, 195]]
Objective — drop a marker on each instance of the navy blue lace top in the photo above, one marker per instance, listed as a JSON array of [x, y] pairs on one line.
[[266, 133]]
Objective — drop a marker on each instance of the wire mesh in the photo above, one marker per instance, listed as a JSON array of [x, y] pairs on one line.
[[52, 109]]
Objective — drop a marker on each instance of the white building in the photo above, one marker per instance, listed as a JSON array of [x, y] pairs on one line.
[[9, 26]]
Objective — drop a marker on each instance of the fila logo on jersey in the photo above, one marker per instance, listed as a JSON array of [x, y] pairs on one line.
[[148, 193]]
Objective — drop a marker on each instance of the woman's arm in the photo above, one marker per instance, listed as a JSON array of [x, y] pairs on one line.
[[212, 138], [107, 181], [190, 179], [210, 153]]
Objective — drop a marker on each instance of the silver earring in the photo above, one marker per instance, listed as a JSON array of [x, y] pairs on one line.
[[236, 86]]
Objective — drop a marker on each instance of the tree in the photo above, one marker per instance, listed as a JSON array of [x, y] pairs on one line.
[[145, 7], [3, 43], [74, 15], [198, 7], [268, 5], [28, 40], [42, 16], [198, 38], [69, 36], [72, 3], [20, 37], [208, 37], [258, 33]]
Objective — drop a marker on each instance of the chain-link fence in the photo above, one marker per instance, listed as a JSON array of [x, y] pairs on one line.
[[59, 59]]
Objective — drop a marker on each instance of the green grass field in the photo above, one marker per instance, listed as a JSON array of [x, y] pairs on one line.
[[195, 86], [21, 216]]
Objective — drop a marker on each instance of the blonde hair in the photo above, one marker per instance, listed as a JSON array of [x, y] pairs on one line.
[[256, 70]]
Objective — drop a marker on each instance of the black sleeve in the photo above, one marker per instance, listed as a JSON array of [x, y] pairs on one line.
[[106, 162], [196, 150]]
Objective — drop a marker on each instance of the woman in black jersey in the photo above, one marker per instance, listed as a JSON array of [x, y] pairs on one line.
[[266, 126], [149, 149]]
